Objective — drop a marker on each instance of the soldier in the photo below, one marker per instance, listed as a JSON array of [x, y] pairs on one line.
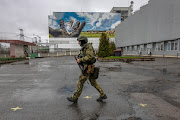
[[87, 59]]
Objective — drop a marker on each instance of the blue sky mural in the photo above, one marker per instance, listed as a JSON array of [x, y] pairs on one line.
[[95, 21]]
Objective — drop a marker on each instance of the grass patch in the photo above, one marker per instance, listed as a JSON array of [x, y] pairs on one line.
[[90, 35], [7, 59], [113, 57], [94, 35], [50, 36]]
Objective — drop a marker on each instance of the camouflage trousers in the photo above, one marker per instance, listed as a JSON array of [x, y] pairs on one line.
[[80, 84]]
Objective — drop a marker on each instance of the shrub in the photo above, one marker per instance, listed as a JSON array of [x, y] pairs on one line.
[[104, 49], [112, 48]]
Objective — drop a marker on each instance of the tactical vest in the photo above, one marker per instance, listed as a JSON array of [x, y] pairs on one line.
[[83, 53]]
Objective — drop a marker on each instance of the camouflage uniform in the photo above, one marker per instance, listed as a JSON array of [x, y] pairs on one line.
[[87, 52]]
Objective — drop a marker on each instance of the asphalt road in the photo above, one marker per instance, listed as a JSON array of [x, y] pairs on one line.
[[36, 89]]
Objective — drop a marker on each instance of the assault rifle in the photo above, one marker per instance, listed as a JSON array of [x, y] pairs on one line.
[[80, 66]]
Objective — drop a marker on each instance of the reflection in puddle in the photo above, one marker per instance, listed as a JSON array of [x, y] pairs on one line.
[[114, 69], [164, 71], [66, 89], [22, 63], [27, 62], [43, 67]]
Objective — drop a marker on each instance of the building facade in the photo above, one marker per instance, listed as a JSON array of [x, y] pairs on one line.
[[153, 30], [125, 11]]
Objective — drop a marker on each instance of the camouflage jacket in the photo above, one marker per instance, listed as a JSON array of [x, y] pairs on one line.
[[87, 52]]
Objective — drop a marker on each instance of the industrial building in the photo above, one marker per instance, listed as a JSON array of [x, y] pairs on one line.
[[153, 30], [125, 11]]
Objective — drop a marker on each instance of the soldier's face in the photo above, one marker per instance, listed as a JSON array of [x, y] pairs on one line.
[[79, 43]]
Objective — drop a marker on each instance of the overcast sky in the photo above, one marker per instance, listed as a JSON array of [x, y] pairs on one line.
[[32, 15]]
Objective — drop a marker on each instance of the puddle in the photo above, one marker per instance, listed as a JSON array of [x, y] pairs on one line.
[[103, 75], [72, 88], [133, 118], [118, 65], [177, 75], [65, 89], [114, 69], [25, 63], [164, 71]]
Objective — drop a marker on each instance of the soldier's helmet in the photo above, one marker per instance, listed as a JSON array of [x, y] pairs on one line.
[[82, 38]]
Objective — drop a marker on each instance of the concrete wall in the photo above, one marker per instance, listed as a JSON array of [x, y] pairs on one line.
[[19, 51], [16, 50], [58, 54], [67, 44], [157, 21]]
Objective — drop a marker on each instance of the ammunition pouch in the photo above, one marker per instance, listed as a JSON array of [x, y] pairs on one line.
[[90, 69], [96, 72]]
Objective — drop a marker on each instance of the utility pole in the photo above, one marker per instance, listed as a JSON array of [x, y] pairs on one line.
[[35, 38], [39, 39], [21, 35]]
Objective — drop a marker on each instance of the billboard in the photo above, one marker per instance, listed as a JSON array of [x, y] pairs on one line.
[[90, 24]]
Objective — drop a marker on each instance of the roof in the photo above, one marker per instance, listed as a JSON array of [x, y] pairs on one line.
[[119, 9], [17, 42]]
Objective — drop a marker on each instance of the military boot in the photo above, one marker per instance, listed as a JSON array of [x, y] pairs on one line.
[[101, 98], [71, 99]]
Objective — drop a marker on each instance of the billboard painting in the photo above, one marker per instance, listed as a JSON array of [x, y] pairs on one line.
[[91, 24]]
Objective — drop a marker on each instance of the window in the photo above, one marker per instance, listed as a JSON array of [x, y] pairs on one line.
[[129, 48], [124, 48], [168, 46], [134, 48], [141, 47], [172, 45], [149, 46], [159, 46], [138, 47]]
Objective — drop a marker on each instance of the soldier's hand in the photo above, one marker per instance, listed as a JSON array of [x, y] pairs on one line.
[[78, 61]]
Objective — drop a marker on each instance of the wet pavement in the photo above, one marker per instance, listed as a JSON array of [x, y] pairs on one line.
[[36, 89]]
